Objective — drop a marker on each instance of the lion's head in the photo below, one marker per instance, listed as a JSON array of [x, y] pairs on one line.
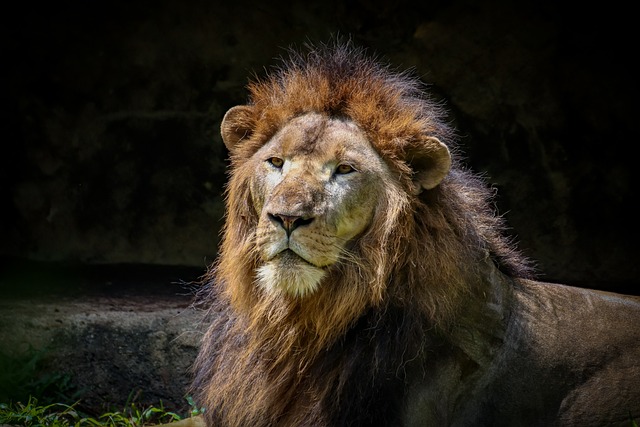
[[320, 191], [341, 177], [345, 201]]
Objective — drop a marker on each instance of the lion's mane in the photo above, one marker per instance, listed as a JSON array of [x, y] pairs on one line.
[[339, 357]]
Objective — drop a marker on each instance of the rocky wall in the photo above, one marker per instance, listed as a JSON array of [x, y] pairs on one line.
[[112, 151]]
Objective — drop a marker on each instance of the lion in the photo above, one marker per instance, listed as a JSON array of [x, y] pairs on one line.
[[364, 277]]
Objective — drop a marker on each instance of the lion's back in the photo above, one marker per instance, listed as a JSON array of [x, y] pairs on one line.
[[576, 353]]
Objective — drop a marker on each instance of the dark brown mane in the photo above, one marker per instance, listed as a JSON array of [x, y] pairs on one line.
[[269, 359]]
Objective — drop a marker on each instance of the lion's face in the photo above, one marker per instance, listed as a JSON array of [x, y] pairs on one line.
[[317, 188], [314, 188]]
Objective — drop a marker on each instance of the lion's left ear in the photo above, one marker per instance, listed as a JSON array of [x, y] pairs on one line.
[[431, 163], [237, 124]]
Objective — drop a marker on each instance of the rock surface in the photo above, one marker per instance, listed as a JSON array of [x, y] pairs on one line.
[[118, 336]]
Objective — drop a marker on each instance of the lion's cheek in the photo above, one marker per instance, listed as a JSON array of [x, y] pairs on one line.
[[353, 215], [320, 249], [261, 185]]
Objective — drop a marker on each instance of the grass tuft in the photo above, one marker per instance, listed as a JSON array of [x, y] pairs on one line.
[[32, 414]]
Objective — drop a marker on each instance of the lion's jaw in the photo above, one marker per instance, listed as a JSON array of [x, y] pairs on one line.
[[315, 188]]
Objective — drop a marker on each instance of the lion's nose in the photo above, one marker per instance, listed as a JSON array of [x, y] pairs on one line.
[[290, 222]]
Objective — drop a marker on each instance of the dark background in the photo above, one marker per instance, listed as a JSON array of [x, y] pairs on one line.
[[112, 154]]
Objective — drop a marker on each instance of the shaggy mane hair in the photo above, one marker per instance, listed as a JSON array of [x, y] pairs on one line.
[[341, 355]]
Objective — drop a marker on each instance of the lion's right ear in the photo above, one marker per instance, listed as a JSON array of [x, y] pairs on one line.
[[237, 124]]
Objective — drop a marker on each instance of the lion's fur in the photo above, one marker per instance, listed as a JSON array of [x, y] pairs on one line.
[[270, 359]]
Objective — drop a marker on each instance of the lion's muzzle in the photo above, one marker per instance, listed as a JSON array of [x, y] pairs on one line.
[[289, 222]]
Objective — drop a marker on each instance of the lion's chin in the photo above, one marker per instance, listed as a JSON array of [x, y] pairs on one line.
[[289, 274]]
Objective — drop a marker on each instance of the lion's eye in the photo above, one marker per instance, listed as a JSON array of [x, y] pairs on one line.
[[276, 162], [344, 168]]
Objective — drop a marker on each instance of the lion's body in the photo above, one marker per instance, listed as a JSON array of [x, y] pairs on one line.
[[536, 354], [363, 278]]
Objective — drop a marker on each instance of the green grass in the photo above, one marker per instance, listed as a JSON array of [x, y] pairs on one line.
[[23, 379], [32, 414], [21, 376]]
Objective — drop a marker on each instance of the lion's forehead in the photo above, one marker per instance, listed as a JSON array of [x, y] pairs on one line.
[[319, 138]]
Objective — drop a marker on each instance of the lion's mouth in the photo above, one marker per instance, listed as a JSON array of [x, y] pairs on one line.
[[289, 257]]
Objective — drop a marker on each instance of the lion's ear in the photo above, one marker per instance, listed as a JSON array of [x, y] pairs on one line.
[[237, 124], [430, 164]]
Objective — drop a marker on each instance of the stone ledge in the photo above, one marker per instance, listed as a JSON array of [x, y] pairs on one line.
[[115, 339]]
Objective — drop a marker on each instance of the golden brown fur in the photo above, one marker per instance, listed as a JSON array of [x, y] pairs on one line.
[[422, 315], [271, 359]]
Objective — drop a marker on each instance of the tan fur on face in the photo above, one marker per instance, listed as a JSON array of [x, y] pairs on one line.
[[406, 230], [307, 184]]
